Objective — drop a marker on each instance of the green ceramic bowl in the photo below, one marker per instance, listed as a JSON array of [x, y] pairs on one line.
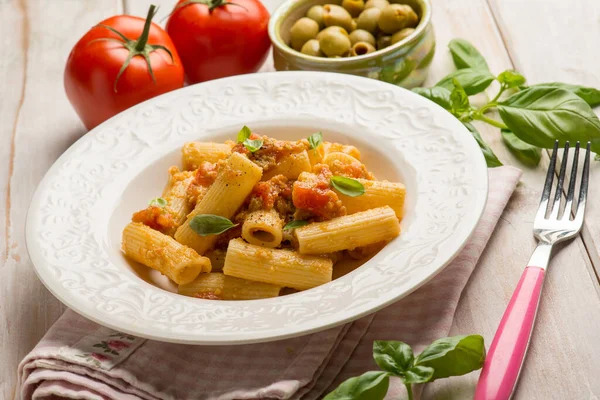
[[404, 63]]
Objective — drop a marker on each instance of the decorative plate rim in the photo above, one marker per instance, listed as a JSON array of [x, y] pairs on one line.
[[150, 312]]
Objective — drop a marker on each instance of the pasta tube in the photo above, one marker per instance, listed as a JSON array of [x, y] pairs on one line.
[[290, 166], [194, 153], [217, 259], [377, 194], [217, 286], [263, 228], [162, 253], [278, 267], [329, 147], [224, 197], [345, 165], [348, 232], [175, 193]]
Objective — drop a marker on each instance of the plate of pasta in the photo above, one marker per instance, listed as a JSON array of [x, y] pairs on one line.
[[256, 208]]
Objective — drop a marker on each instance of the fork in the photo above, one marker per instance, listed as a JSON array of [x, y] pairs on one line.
[[504, 361]]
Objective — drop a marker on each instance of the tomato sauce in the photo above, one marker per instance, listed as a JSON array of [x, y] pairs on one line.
[[271, 152], [312, 192], [156, 218]]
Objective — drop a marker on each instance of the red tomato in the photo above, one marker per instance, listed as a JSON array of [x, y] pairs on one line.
[[219, 39], [92, 81]]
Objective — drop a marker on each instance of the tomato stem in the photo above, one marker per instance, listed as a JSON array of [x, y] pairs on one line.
[[138, 47], [143, 39], [212, 4]]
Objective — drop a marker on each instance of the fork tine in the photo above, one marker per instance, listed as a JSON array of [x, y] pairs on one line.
[[561, 181], [547, 185], [572, 182], [585, 176]]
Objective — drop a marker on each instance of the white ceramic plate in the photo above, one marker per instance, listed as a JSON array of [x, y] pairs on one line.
[[87, 197]]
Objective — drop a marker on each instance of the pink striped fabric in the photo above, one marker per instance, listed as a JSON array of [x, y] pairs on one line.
[[63, 366]]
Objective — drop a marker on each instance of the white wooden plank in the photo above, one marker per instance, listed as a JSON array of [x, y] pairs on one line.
[[37, 125], [557, 41], [569, 315]]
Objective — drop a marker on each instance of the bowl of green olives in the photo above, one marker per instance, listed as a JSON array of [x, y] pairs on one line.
[[389, 40]]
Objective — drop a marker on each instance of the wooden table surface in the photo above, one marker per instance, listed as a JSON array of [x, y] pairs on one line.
[[546, 40]]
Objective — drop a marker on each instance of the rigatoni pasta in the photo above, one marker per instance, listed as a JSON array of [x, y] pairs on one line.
[[348, 232], [195, 153], [264, 217], [217, 286], [263, 228], [278, 267], [377, 194], [162, 253], [224, 197], [290, 166], [175, 193]]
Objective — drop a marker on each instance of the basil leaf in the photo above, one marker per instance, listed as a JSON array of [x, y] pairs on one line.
[[490, 158], [465, 55], [315, 140], [243, 134], [418, 374], [393, 356], [157, 202], [542, 115], [295, 224], [348, 186], [459, 98], [526, 153], [372, 385], [511, 78], [439, 95], [588, 94], [209, 224], [472, 80], [453, 356], [253, 145]]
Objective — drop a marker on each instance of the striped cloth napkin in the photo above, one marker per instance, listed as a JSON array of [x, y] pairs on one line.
[[78, 359]]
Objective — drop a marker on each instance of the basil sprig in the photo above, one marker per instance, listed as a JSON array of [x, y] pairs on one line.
[[243, 137], [589, 95], [157, 202], [253, 145], [295, 224], [209, 224], [525, 152], [465, 55], [315, 140], [243, 134], [532, 117], [348, 186], [439, 95], [490, 158], [451, 356]]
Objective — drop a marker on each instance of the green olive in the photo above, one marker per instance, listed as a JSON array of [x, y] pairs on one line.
[[396, 17], [354, 7], [362, 48], [383, 41], [360, 35], [316, 13], [381, 4], [334, 43], [312, 48], [402, 34], [334, 15], [302, 31], [331, 29], [353, 25], [368, 19]]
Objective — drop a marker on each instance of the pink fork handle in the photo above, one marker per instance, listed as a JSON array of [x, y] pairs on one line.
[[503, 362]]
